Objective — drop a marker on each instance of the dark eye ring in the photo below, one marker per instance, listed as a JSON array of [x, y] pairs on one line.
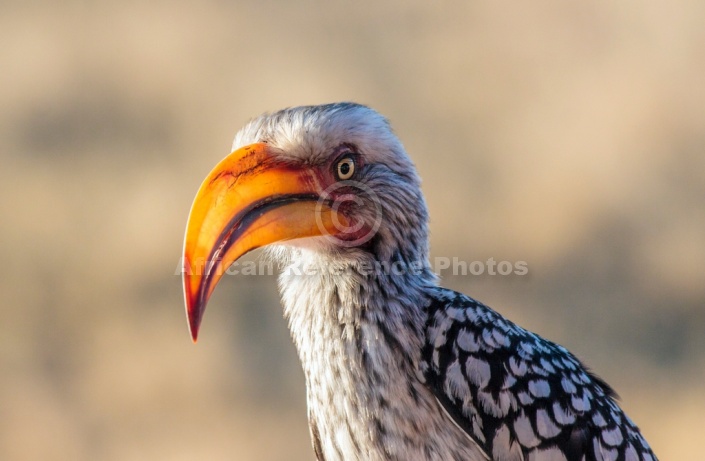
[[345, 168]]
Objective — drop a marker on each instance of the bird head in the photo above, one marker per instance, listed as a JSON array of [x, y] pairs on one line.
[[332, 179]]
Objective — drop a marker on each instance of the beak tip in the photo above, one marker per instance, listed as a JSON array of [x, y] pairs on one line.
[[194, 305], [193, 329], [194, 323]]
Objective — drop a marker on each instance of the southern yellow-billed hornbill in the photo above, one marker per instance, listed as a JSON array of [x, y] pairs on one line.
[[396, 367]]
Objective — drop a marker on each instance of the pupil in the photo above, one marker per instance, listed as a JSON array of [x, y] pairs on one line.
[[344, 168]]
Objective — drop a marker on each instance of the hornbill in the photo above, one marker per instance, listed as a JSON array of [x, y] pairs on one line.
[[396, 367]]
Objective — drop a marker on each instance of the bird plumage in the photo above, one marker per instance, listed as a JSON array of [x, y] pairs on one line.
[[397, 367], [520, 395]]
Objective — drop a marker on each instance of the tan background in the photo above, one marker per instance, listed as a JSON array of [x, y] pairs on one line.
[[570, 136]]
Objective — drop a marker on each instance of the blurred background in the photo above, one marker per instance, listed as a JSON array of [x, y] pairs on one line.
[[569, 136]]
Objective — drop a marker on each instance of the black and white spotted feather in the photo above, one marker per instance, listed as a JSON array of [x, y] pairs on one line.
[[518, 395]]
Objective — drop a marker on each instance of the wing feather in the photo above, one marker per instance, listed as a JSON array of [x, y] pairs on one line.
[[520, 396]]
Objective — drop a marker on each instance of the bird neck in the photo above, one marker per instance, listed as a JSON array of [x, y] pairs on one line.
[[359, 302], [359, 334]]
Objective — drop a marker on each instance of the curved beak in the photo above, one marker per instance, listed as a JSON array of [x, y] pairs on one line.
[[249, 200]]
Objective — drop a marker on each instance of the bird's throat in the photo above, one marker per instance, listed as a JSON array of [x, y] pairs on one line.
[[357, 351]]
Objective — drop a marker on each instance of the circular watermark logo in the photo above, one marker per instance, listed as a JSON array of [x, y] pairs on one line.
[[349, 194]]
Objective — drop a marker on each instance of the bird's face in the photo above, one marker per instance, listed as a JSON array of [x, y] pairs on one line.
[[333, 178]]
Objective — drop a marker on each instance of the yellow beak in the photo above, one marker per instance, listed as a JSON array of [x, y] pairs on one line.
[[249, 200]]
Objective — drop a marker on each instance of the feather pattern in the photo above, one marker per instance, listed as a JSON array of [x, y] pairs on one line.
[[519, 395]]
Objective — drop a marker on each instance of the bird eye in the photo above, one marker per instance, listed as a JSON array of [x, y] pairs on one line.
[[345, 168]]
